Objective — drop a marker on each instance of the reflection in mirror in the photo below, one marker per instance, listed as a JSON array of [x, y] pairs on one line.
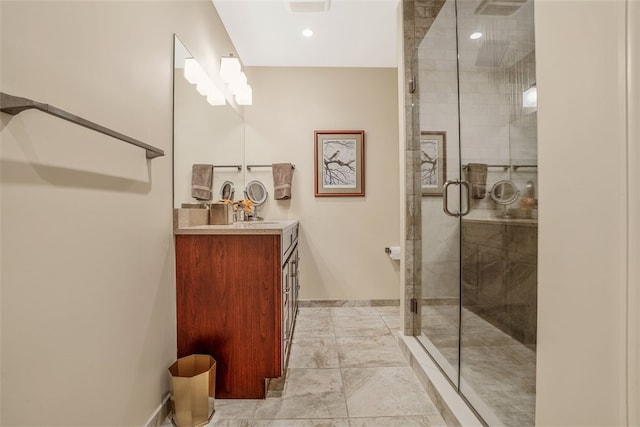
[[203, 134], [227, 191], [256, 192]]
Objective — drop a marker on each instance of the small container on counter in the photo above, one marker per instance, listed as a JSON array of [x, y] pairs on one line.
[[220, 213]]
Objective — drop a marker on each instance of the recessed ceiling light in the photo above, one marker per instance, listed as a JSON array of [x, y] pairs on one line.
[[307, 32], [475, 36], [306, 6]]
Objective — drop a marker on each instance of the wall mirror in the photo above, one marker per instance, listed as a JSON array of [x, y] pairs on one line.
[[203, 133]]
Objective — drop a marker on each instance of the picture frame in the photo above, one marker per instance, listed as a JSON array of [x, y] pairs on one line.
[[339, 163], [433, 162]]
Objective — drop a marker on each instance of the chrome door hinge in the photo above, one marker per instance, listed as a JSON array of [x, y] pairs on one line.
[[414, 305], [412, 86]]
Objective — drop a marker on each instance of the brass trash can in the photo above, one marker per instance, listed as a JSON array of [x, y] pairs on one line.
[[193, 388]]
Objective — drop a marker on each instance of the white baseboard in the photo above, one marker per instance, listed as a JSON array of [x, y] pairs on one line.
[[348, 303], [161, 413]]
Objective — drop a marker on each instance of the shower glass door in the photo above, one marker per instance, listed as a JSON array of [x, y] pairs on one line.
[[476, 79], [440, 159]]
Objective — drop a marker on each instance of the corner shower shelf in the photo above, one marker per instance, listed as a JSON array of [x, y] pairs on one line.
[[14, 105]]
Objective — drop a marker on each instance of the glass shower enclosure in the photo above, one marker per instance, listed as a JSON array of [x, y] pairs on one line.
[[477, 101]]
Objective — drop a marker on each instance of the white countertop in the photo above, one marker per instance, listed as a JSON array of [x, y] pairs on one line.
[[193, 221]]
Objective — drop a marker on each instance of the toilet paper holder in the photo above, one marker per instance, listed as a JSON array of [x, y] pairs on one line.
[[393, 252]]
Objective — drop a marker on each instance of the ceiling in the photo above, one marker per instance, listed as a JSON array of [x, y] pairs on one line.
[[351, 33]]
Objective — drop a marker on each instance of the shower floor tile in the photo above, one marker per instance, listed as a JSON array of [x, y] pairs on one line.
[[496, 369]]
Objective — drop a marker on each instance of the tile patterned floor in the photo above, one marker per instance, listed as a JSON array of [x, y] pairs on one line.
[[345, 370]]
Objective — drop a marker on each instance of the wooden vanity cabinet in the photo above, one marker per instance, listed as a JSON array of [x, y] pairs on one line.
[[232, 305]]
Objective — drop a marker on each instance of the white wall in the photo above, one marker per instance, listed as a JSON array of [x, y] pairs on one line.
[[87, 262], [581, 365], [342, 238]]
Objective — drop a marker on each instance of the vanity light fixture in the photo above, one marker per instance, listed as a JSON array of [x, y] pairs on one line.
[[192, 70], [475, 36], [229, 68], [245, 96], [194, 74], [530, 97], [232, 74], [238, 83], [215, 97]]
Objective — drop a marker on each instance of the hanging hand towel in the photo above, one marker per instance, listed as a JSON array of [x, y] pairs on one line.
[[201, 181], [477, 177], [282, 173]]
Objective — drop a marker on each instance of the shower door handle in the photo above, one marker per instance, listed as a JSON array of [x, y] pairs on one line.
[[445, 198]]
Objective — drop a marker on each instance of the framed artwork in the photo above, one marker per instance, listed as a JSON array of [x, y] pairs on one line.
[[339, 163], [433, 162]]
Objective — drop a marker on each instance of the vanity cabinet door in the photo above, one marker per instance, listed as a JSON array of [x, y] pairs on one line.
[[228, 298], [295, 284], [286, 313], [290, 288]]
